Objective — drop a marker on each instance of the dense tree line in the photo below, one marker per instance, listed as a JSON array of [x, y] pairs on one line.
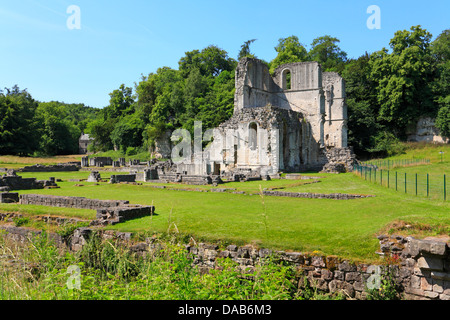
[[387, 91], [29, 127]]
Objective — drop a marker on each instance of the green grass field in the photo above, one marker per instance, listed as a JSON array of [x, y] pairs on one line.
[[346, 228]]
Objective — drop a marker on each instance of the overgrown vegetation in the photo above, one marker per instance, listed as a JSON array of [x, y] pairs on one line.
[[104, 270]]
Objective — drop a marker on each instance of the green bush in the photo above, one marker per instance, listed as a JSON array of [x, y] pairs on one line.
[[21, 221]]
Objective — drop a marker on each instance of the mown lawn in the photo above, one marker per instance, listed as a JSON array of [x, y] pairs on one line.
[[16, 162], [347, 228]]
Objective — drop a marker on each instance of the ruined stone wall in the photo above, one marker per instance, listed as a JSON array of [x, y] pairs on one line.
[[254, 85], [282, 140], [119, 178], [108, 211], [52, 168], [69, 202], [11, 181], [335, 126], [340, 160], [163, 146], [256, 88], [420, 269]]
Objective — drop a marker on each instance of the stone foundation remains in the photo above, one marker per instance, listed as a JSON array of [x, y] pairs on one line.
[[71, 166], [420, 269], [11, 181], [120, 178], [108, 211]]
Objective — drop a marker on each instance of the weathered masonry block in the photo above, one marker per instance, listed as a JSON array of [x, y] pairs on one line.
[[121, 214], [120, 178], [9, 197], [11, 181]]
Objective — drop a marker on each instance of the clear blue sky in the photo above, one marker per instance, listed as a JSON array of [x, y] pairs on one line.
[[120, 40]]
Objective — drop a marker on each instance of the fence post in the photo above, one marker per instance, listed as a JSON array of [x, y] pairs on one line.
[[395, 180], [381, 177], [416, 184], [405, 182], [445, 189], [388, 179], [428, 185]]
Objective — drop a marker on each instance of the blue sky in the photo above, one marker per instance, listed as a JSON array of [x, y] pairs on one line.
[[121, 40]]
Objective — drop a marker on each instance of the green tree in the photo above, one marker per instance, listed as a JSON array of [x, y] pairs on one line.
[[128, 132], [327, 52], [440, 49], [288, 50], [443, 121], [245, 50], [100, 130], [120, 102], [211, 61], [403, 79], [17, 126], [58, 135], [362, 105]]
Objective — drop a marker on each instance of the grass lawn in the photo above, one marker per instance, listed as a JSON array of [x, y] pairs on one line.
[[16, 162], [430, 177], [346, 228]]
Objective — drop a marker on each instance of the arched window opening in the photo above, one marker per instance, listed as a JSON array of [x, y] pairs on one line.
[[253, 136], [286, 79]]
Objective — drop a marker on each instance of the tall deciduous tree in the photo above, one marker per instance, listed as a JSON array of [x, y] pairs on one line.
[[327, 52], [403, 79], [17, 126], [245, 50], [440, 49], [362, 105], [288, 50]]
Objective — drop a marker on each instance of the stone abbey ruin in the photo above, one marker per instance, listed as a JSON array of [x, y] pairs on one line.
[[293, 121]]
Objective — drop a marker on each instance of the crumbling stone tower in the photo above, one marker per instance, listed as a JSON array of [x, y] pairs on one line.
[[301, 87]]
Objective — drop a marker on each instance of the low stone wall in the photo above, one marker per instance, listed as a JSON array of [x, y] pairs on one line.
[[120, 178], [108, 211], [59, 221], [23, 235], [420, 268], [15, 182], [188, 179], [52, 168], [337, 196], [70, 202], [121, 214]]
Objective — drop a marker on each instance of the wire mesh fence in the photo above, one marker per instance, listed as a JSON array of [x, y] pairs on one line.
[[420, 184], [390, 164]]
